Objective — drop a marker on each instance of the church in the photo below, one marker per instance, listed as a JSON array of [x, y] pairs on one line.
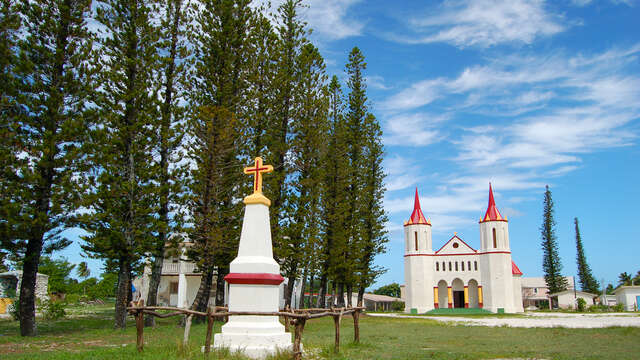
[[457, 276]]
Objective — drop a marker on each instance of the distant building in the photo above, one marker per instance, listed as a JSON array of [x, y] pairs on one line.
[[10, 287], [457, 275], [568, 299], [535, 291], [629, 296]]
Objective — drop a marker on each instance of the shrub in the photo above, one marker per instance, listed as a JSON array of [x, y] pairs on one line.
[[618, 308], [397, 306], [53, 310], [582, 303], [72, 298], [14, 309]]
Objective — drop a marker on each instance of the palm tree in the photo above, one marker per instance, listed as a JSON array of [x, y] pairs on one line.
[[83, 271], [624, 279]]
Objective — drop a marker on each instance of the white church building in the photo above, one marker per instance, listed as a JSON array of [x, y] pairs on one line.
[[457, 275]]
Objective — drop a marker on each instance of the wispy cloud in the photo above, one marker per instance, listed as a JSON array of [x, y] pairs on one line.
[[413, 129], [484, 23]]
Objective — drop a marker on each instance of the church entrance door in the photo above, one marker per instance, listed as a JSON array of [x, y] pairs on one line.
[[458, 299]]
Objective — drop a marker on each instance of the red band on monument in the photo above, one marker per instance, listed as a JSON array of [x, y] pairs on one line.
[[254, 278]]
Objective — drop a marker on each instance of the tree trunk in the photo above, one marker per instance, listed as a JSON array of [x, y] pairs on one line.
[[220, 286], [360, 295], [340, 297], [27, 306], [201, 302], [323, 291], [122, 293], [349, 294], [154, 283], [288, 291], [333, 294], [302, 288]]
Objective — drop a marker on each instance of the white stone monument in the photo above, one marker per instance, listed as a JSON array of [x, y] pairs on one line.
[[253, 281]]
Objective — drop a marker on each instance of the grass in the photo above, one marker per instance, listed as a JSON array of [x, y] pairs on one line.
[[88, 333]]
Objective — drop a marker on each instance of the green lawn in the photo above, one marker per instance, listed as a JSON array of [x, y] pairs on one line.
[[88, 334]]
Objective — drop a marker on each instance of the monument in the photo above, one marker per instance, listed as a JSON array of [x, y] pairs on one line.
[[254, 277]]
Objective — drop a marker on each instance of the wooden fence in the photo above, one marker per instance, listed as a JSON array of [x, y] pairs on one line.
[[297, 318]]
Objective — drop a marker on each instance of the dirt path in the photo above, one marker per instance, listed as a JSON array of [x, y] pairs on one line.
[[541, 320]]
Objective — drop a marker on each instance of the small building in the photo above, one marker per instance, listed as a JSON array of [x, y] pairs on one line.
[[10, 287], [568, 298], [535, 291], [629, 296]]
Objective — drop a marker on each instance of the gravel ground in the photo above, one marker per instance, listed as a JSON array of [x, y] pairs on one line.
[[541, 320]]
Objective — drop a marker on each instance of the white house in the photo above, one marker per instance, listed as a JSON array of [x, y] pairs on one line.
[[535, 290], [569, 298], [629, 296], [457, 275]]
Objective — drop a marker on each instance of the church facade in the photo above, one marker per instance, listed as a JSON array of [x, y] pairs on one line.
[[457, 275]]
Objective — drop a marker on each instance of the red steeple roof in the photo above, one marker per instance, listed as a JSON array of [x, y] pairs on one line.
[[514, 269], [492, 213], [416, 216]]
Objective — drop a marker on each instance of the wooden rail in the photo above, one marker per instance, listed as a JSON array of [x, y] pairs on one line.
[[297, 318]]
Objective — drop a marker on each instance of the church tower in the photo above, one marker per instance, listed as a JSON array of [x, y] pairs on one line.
[[418, 261], [495, 259]]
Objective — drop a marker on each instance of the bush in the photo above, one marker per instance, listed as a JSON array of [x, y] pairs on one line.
[[397, 306], [582, 303], [618, 308], [53, 310], [72, 298], [14, 309]]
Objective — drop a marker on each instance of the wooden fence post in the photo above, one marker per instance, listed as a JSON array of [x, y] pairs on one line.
[[187, 329], [139, 326], [356, 326], [286, 320], [297, 354], [210, 322], [336, 323]]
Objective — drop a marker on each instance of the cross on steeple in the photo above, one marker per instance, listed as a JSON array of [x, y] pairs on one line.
[[257, 171]]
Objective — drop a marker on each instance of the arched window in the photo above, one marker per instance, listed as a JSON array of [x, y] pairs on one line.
[[475, 265], [416, 236], [456, 266], [462, 264], [495, 242], [444, 268], [449, 265], [437, 266], [469, 265]]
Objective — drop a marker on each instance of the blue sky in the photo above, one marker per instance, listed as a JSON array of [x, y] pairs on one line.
[[519, 93]]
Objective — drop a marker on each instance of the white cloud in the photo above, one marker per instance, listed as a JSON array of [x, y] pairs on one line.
[[412, 130], [376, 82], [328, 18], [485, 23]]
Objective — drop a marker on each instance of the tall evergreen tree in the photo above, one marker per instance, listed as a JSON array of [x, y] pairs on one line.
[[122, 195], [220, 39], [43, 123], [171, 79], [334, 192], [551, 264], [587, 282], [307, 149]]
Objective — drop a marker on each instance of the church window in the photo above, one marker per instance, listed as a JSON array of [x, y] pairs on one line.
[[495, 242], [173, 288], [456, 266], [416, 237], [455, 245], [469, 265], [437, 266], [462, 264], [475, 265], [449, 265], [444, 268]]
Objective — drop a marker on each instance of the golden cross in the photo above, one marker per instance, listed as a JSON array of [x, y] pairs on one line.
[[257, 171]]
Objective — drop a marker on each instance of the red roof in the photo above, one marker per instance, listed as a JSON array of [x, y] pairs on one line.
[[417, 217], [514, 269], [492, 213]]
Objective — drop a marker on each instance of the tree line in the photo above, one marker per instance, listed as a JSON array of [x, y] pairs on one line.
[[132, 120]]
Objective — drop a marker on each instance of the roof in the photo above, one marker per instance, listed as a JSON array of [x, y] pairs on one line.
[[514, 269], [492, 213], [417, 217], [627, 288], [459, 250], [380, 298], [539, 282]]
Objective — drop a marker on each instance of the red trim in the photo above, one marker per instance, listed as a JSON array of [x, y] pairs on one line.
[[254, 278], [450, 306], [479, 253], [466, 286], [514, 269], [466, 305], [435, 305], [480, 305]]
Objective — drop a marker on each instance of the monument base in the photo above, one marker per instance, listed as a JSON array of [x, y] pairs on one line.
[[255, 346]]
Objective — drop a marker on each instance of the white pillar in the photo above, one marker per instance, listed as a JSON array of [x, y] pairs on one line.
[[182, 282]]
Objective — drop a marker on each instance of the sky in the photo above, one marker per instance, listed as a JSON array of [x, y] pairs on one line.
[[518, 93]]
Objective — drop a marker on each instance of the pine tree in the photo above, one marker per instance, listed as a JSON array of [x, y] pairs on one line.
[[122, 195], [220, 39], [307, 149], [334, 191], [587, 282], [172, 54], [551, 264], [43, 122]]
